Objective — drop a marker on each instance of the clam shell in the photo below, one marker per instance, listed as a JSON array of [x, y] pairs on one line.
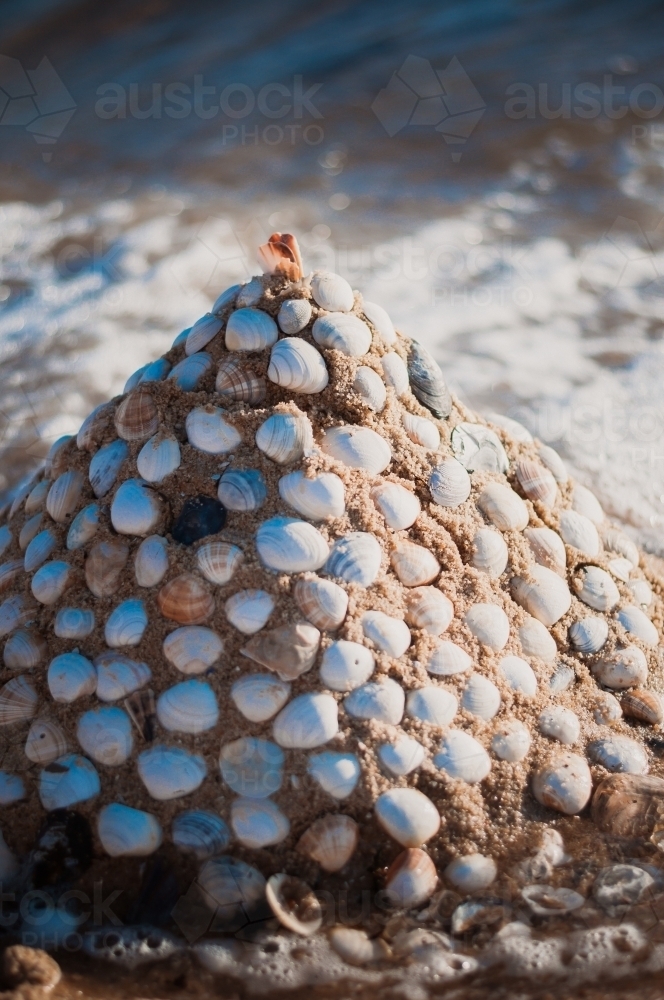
[[421, 431], [560, 723], [223, 300], [489, 624], [449, 483], [330, 841], [427, 608], [519, 675], [543, 595], [554, 463], [589, 634], [73, 623], [66, 781], [51, 580], [218, 561], [193, 649], [383, 700], [127, 832], [126, 624], [136, 508], [548, 549], [202, 332], [635, 621], [236, 891], [83, 527], [37, 552], [105, 466], [27, 533], [355, 558], [24, 650], [15, 611], [136, 376], [380, 320], [547, 900], [504, 508], [616, 541], [105, 735], [536, 482], [151, 561], [200, 833], [252, 767], [95, 426], [399, 506], [189, 372], [298, 366], [346, 665], [390, 635], [294, 315], [408, 816], [285, 437], [250, 293], [294, 904], [318, 498], [357, 448], [56, 459], [10, 570], [413, 564], [170, 772], [471, 872], [606, 709], [511, 741], [45, 742], [309, 721], [645, 706], [563, 783], [18, 701], [621, 569], [209, 431], [158, 458], [402, 756], [448, 659], [433, 705], [156, 371], [586, 503], [6, 535], [619, 754], [118, 676], [336, 773], [410, 880], [71, 676], [185, 600], [289, 650], [237, 382], [479, 449], [462, 757], [342, 332], [395, 372], [536, 641], [287, 545], [322, 602], [490, 552], [641, 591], [427, 382], [104, 566], [481, 697], [579, 532], [258, 823], [249, 610], [595, 588], [188, 707], [37, 497], [370, 388], [619, 887], [561, 678], [137, 417], [332, 292], [242, 489], [64, 494], [258, 697], [250, 329]]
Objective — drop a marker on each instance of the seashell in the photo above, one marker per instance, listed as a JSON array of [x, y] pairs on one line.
[[408, 816], [105, 466], [250, 329], [158, 457], [294, 904], [554, 463], [433, 705], [322, 602], [357, 448], [559, 723], [449, 483], [258, 823], [619, 754], [413, 564], [236, 891], [318, 498], [549, 901], [127, 832], [490, 552], [285, 437], [580, 532], [427, 608], [105, 735], [616, 541], [37, 552], [45, 742], [185, 600], [641, 591], [395, 373], [193, 649], [137, 417], [141, 710], [355, 558], [607, 709], [564, 783], [589, 634], [644, 706], [346, 665], [370, 388], [421, 431], [543, 595], [619, 887], [208, 431], [380, 320], [536, 641], [51, 580], [336, 773], [332, 292], [136, 508], [548, 549], [489, 624], [287, 545], [156, 371], [561, 678], [238, 383], [503, 507], [202, 332], [15, 611], [151, 561], [189, 372], [629, 806], [83, 527], [249, 610], [126, 624], [427, 383], [200, 833], [95, 425], [218, 561], [258, 697], [382, 700], [24, 650], [9, 571], [298, 366], [66, 781], [289, 650], [309, 721], [136, 376], [252, 767], [586, 503], [471, 872], [399, 506], [330, 841], [448, 659], [118, 676], [462, 757], [6, 535], [479, 449], [104, 566], [281, 255], [18, 701], [294, 315], [621, 569], [37, 497], [410, 880], [511, 741], [390, 635], [250, 293], [27, 533], [56, 459], [19, 494], [519, 675], [595, 588], [481, 697], [401, 757], [63, 495], [71, 676], [536, 482], [223, 300], [170, 772], [635, 621], [188, 707], [242, 489]]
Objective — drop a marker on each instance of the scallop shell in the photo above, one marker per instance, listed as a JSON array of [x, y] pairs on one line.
[[250, 329], [336, 773], [380, 320], [322, 602], [249, 610], [536, 641], [127, 832], [185, 600], [294, 315], [645, 706], [202, 332], [619, 754], [218, 561], [407, 816], [309, 721], [136, 508], [342, 332], [137, 417], [560, 723], [504, 508], [519, 675], [83, 527], [481, 697], [641, 591], [489, 624], [433, 705], [370, 388], [413, 564], [189, 372], [427, 608], [421, 431], [346, 665], [317, 498], [237, 382], [9, 571], [24, 650], [66, 781], [104, 566], [294, 904], [15, 611], [427, 382], [298, 366], [18, 701], [37, 497], [511, 741], [45, 742], [357, 448], [242, 489], [236, 891], [170, 772], [258, 824], [390, 635], [635, 621], [285, 437], [586, 503], [595, 588], [95, 426], [126, 624], [543, 595], [410, 880], [119, 676], [471, 872], [330, 841], [151, 561], [382, 700], [395, 372], [536, 482], [289, 650], [209, 431], [105, 735], [57, 457], [27, 533], [188, 707], [355, 558], [563, 784], [252, 767], [579, 532], [37, 552], [158, 458], [554, 463], [193, 649], [401, 757], [332, 292], [448, 659], [223, 300], [64, 495], [449, 483], [479, 449], [73, 623], [548, 549], [105, 466], [399, 506], [287, 545], [616, 541], [51, 580], [258, 697], [490, 552], [71, 676], [462, 757], [200, 833], [606, 709], [589, 634]]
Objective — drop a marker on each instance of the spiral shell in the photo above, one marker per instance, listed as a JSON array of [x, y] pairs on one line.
[[635, 621], [536, 482], [249, 610], [595, 588], [543, 595], [478, 448], [185, 600], [342, 332], [242, 489], [24, 650], [202, 332], [64, 494], [380, 320], [580, 532], [462, 757], [136, 509], [421, 431], [481, 697], [189, 372], [370, 388], [193, 649], [237, 382], [71, 676], [318, 498], [309, 721], [126, 624], [285, 437], [383, 700], [188, 707], [105, 466], [427, 382], [104, 566], [563, 784], [209, 431], [322, 602], [170, 772], [395, 372], [73, 623], [51, 580], [448, 659], [296, 365], [83, 527], [294, 315], [408, 816], [330, 841], [332, 292], [289, 650], [449, 483], [503, 507], [536, 640], [18, 701], [287, 545], [250, 329], [355, 558], [36, 553], [158, 458], [413, 564], [218, 561], [200, 833], [589, 634], [346, 665], [357, 448], [490, 552], [489, 624], [399, 506], [258, 697], [548, 549], [105, 735], [137, 417], [45, 742]]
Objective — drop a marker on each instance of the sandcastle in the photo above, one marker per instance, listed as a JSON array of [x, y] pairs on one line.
[[288, 615]]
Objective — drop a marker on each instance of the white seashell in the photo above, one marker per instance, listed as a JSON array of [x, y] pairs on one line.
[[346, 665], [188, 707], [559, 723], [536, 640], [83, 527], [158, 458], [619, 754], [64, 494], [504, 508], [635, 621], [250, 293], [285, 437], [429, 609], [298, 366], [606, 709], [250, 329], [193, 649], [357, 448], [622, 545], [105, 735], [589, 634], [66, 781], [471, 872], [371, 388], [489, 624], [490, 552], [36, 497], [309, 721], [258, 823], [118, 676], [642, 592], [225, 299], [331, 841], [200, 833], [105, 466], [379, 318], [336, 773], [434, 705], [71, 676], [24, 650], [511, 741], [518, 674], [18, 701], [427, 382], [561, 678], [550, 901], [408, 816], [399, 506], [621, 569], [402, 756], [580, 532], [252, 767], [479, 449], [136, 508], [258, 697], [462, 757], [208, 431], [294, 904], [202, 332], [332, 292], [45, 742], [544, 595], [563, 784], [37, 552], [15, 611], [382, 700], [294, 315], [586, 503], [170, 772], [318, 498], [548, 549], [151, 561], [481, 697], [236, 382], [355, 558], [189, 372], [126, 624], [413, 564], [449, 659], [449, 483], [287, 545], [50, 582], [623, 668], [242, 489], [410, 881], [595, 588], [554, 463], [218, 561], [536, 482], [390, 635], [322, 602], [126, 832], [421, 431], [249, 610], [12, 788], [395, 373]]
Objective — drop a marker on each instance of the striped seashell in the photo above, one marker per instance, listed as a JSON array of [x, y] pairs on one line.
[[170, 772], [399, 506], [225, 299], [519, 675], [511, 741], [635, 621], [37, 552], [289, 650], [370, 388], [236, 890], [503, 507], [156, 371], [448, 659], [64, 495], [548, 549], [589, 634], [200, 833], [73, 623], [285, 437], [119, 676], [37, 497], [127, 832], [15, 611], [462, 757], [563, 784], [317, 498], [343, 332], [381, 322], [616, 541], [18, 701], [554, 463], [26, 534], [427, 608], [281, 255], [408, 816], [471, 872], [250, 293], [259, 824], [357, 448], [479, 449], [237, 382], [536, 640], [56, 459], [449, 483], [209, 431], [401, 757], [249, 610], [490, 552], [66, 781], [95, 426], [9, 571], [536, 482], [427, 383], [410, 881], [395, 372], [355, 558], [336, 773], [126, 624], [45, 742], [250, 329], [433, 705], [330, 841], [383, 700], [202, 332], [298, 366], [71, 676], [322, 602], [642, 592], [346, 665], [6, 535], [644, 706], [543, 595], [252, 767], [413, 564], [51, 580], [332, 292], [258, 697], [158, 458], [21, 493], [309, 721], [560, 723], [218, 561], [105, 466], [137, 417], [621, 569], [104, 566], [136, 509], [105, 735], [287, 545], [83, 527], [151, 561], [481, 697], [579, 532], [188, 707], [294, 315], [595, 588], [190, 371], [561, 678], [242, 489], [619, 754], [24, 650], [586, 503], [185, 600], [390, 635], [606, 709], [489, 624], [421, 431], [193, 649]]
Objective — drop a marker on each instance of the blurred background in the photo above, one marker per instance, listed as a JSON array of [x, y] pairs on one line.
[[490, 171]]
